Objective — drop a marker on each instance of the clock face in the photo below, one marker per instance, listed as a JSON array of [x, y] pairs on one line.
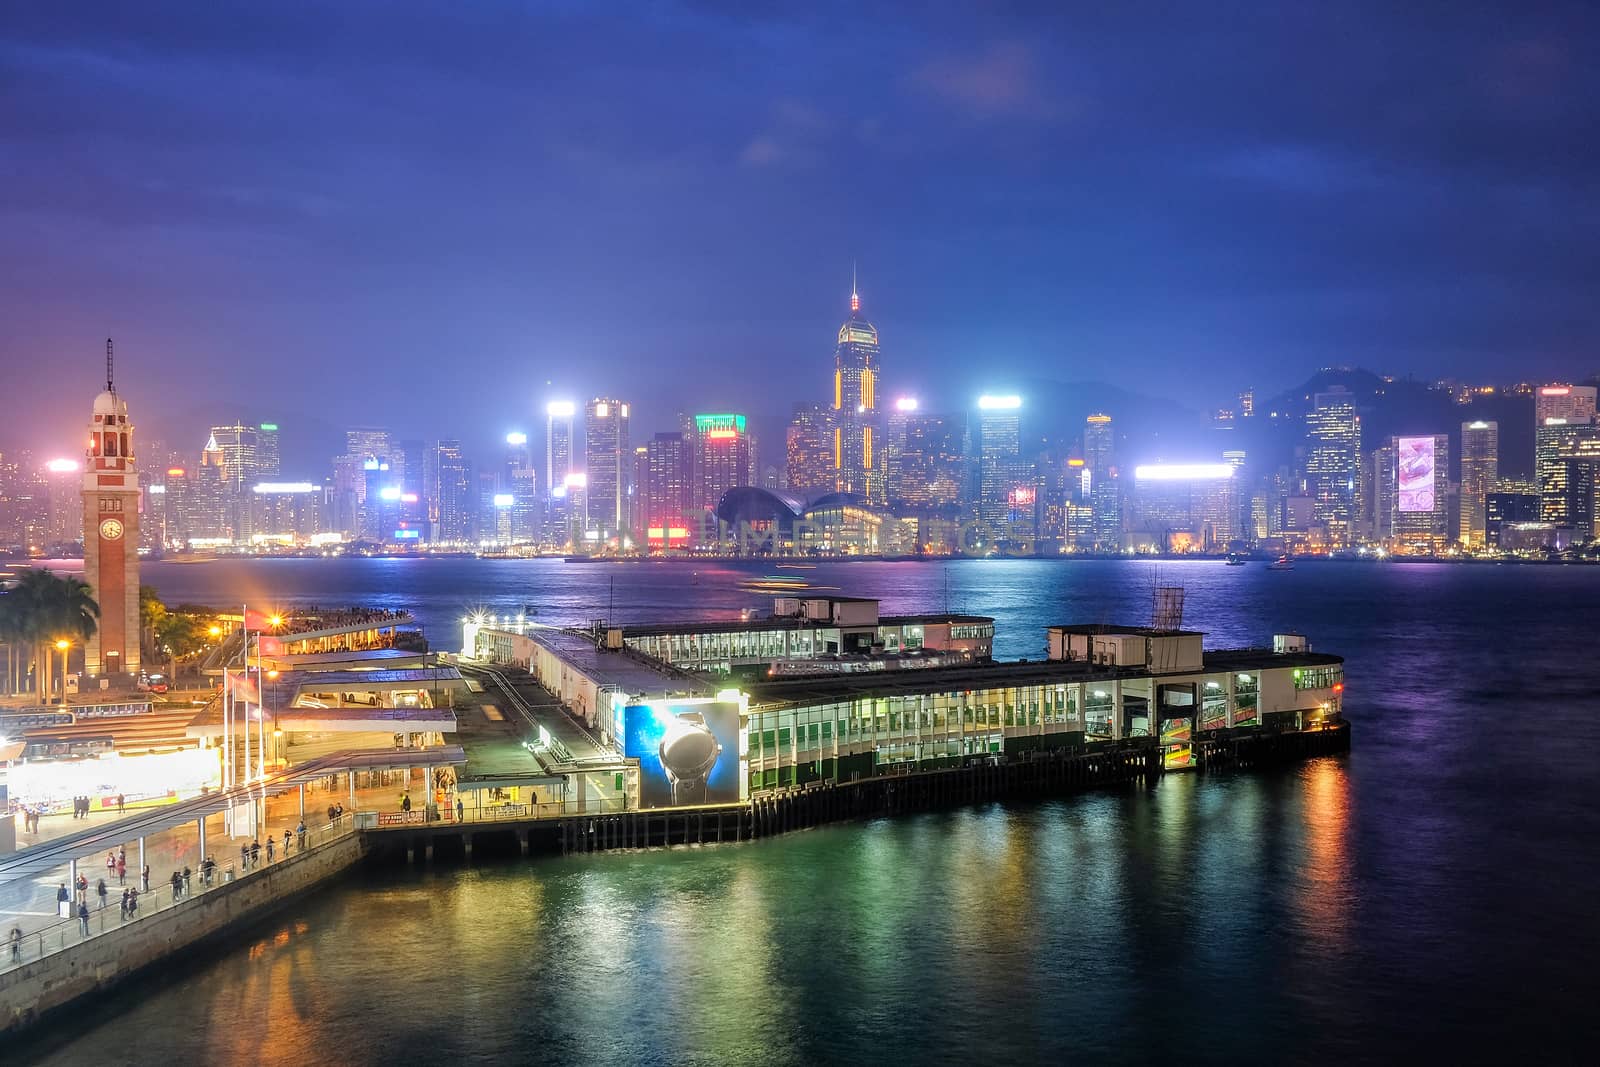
[[111, 529]]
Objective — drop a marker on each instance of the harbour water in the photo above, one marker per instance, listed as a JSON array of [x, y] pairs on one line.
[[1429, 895]]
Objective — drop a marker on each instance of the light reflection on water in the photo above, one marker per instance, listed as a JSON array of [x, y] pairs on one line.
[[1417, 898]]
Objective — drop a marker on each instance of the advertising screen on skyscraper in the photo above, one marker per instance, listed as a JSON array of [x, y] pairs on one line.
[[1414, 461]]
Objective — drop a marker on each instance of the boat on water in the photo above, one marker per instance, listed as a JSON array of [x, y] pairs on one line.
[[1282, 563], [1236, 560]]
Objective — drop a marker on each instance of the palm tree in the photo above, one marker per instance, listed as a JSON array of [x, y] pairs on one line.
[[50, 609], [11, 637]]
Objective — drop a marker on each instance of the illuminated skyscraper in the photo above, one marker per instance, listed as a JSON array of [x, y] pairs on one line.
[[269, 459], [1000, 447], [1560, 415], [558, 468], [448, 489], [110, 498], [929, 469], [66, 509], [1100, 469], [724, 458], [1562, 447], [1333, 462], [668, 495], [1480, 469], [1421, 497], [808, 451], [606, 456], [855, 405]]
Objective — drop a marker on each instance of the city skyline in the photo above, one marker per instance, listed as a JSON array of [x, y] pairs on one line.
[[1112, 218]]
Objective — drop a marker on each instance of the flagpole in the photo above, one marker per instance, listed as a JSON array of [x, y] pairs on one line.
[[261, 711], [227, 729], [244, 615]]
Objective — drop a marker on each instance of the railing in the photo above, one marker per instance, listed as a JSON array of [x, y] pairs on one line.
[[156, 898], [497, 813]]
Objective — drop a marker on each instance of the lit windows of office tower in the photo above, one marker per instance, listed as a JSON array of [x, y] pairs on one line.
[[449, 490], [1480, 470], [726, 458], [855, 405], [1100, 471], [999, 449], [1333, 462], [269, 459], [1420, 501], [808, 451], [558, 467], [606, 455], [1560, 415], [668, 491], [930, 470], [1557, 444]]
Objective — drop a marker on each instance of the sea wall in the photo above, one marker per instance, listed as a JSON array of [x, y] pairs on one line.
[[34, 992]]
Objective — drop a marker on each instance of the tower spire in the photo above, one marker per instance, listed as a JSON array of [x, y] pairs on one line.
[[855, 295], [110, 388]]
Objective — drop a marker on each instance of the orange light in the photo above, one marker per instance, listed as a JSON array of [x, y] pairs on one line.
[[722, 435], [62, 646], [1338, 687], [215, 631], [277, 620], [272, 674], [175, 472]]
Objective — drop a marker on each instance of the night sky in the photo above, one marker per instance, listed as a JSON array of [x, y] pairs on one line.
[[386, 213]]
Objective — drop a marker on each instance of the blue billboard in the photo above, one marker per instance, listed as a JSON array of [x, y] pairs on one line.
[[688, 751]]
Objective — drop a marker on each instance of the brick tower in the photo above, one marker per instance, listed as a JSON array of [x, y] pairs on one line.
[[111, 535]]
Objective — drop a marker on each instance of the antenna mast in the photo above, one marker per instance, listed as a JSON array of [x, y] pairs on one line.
[[110, 388]]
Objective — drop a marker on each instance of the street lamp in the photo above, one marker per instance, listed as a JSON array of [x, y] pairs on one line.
[[62, 646]]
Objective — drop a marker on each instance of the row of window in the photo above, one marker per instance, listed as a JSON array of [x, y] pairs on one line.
[[1317, 677]]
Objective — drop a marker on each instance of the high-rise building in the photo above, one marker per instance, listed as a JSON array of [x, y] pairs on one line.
[[929, 469], [606, 455], [1185, 507], [288, 512], [725, 458], [239, 447], [1333, 462], [1421, 503], [558, 468], [668, 491], [66, 509], [1575, 403], [999, 451], [638, 484], [110, 497], [1100, 471], [855, 405], [448, 489], [1480, 469], [808, 452], [1247, 403], [1556, 442], [1508, 504], [269, 458]]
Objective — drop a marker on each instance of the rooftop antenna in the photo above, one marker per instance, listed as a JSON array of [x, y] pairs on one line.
[[855, 295], [110, 388]]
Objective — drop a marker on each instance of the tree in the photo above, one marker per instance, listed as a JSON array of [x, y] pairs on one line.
[[151, 614], [50, 609]]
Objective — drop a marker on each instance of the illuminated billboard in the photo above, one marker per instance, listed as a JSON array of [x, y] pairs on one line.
[[688, 751], [1413, 458]]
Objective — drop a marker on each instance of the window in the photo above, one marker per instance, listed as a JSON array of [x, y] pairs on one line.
[[1317, 677]]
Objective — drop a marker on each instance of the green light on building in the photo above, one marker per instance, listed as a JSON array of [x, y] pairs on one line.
[[270, 427]]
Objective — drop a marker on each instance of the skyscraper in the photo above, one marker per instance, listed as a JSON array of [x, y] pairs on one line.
[[558, 468], [1421, 498], [606, 454], [724, 458], [808, 451], [110, 497], [929, 469], [448, 487], [269, 459], [1333, 462], [668, 491], [1562, 446], [1100, 468], [1480, 469], [855, 405], [1000, 447], [1562, 415]]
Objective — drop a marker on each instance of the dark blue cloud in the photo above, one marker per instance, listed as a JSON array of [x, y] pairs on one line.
[[422, 214]]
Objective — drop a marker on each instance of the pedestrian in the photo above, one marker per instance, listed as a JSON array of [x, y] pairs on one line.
[[187, 874], [244, 856], [111, 864], [287, 839], [144, 877], [83, 919], [177, 886], [125, 905], [63, 901], [121, 802], [405, 801], [270, 840], [100, 891], [16, 943], [133, 901], [301, 830], [461, 811], [255, 853], [122, 869], [83, 889]]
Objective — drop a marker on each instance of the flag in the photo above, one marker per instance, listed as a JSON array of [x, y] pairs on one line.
[[256, 621], [244, 689]]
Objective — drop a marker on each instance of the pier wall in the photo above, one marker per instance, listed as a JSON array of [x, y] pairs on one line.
[[37, 991]]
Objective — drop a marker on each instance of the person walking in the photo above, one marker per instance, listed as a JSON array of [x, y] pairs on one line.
[[83, 919], [461, 811], [124, 905], [255, 853], [244, 856], [270, 840], [121, 803], [83, 889], [111, 864], [16, 944], [405, 801], [144, 877], [133, 901], [122, 865], [100, 891], [177, 886], [187, 874], [300, 831]]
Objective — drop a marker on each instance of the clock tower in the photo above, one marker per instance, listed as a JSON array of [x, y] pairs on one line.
[[111, 535]]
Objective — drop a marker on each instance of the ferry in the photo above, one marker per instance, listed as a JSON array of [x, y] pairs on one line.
[[1283, 563], [1236, 560]]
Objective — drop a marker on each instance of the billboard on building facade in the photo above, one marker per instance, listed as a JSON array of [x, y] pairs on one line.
[[1414, 460], [688, 751]]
